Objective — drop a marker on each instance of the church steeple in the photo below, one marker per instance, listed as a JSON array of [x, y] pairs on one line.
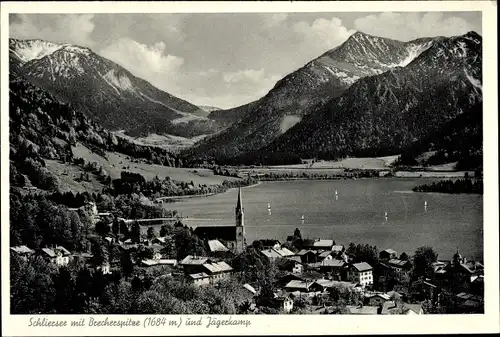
[[240, 225], [239, 203]]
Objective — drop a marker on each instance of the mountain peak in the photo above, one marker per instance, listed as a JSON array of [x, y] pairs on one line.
[[76, 49], [472, 33], [27, 50]]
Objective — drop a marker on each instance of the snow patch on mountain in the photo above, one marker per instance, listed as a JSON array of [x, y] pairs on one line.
[[186, 117], [414, 51], [474, 81], [76, 49], [33, 49], [118, 82], [288, 122]]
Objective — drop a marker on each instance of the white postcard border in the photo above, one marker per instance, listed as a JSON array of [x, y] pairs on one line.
[[17, 325]]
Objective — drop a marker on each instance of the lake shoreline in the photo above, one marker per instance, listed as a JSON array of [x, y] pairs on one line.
[[356, 216], [171, 199]]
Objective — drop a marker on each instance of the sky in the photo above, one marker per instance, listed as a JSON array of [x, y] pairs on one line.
[[226, 60]]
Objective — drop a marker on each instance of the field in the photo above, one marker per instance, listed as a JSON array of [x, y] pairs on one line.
[[169, 142], [377, 163], [67, 175], [115, 163]]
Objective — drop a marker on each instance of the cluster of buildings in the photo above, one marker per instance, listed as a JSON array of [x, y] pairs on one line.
[[310, 273]]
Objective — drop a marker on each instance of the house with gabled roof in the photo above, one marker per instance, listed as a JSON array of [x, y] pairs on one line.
[[218, 270], [388, 254], [325, 255], [361, 273], [284, 303], [376, 299], [22, 251], [401, 308], [270, 254], [194, 264], [284, 252], [302, 286], [57, 255], [308, 256], [337, 269], [400, 266], [318, 244], [291, 265]]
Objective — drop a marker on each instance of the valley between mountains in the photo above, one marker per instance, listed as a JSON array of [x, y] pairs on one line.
[[418, 103]]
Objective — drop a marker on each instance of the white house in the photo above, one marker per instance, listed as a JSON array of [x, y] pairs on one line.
[[361, 273], [200, 279], [285, 303], [58, 255]]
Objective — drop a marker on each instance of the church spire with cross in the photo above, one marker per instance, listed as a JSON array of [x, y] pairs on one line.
[[240, 224]]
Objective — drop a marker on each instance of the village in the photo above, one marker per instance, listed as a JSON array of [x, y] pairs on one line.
[[310, 276]]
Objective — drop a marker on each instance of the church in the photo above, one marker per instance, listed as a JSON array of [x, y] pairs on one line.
[[232, 236]]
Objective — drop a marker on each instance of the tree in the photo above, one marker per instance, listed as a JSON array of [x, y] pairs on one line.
[[257, 244], [165, 230], [151, 233], [297, 234], [126, 263], [116, 226], [135, 232], [404, 256], [422, 261], [102, 228], [31, 286], [64, 287], [145, 253]]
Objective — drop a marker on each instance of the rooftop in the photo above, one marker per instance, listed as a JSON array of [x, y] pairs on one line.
[[335, 284], [156, 247], [318, 243], [160, 239], [218, 267], [398, 262], [394, 295], [311, 275], [250, 288], [329, 263], [194, 261], [284, 252], [362, 266], [22, 250], [325, 254], [361, 310], [216, 246], [270, 253], [48, 252], [472, 267], [62, 250], [294, 258], [297, 284], [305, 251], [385, 297], [337, 248], [390, 251]]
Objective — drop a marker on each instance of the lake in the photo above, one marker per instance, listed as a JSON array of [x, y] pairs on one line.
[[356, 215]]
